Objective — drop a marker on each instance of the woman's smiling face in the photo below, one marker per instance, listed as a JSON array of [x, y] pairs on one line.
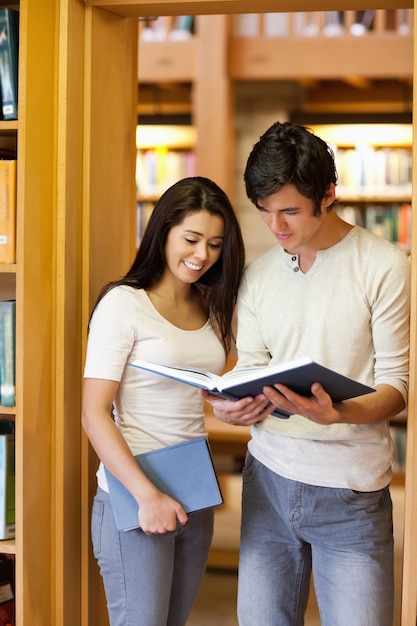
[[194, 246]]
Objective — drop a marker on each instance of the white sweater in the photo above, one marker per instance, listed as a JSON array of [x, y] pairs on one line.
[[349, 312]]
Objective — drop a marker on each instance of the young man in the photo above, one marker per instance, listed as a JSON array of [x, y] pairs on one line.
[[316, 486]]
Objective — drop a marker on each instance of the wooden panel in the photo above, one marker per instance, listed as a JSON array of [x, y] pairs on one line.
[[109, 216], [136, 8], [328, 58], [34, 315], [409, 597], [69, 327], [48, 276], [172, 61], [213, 104]]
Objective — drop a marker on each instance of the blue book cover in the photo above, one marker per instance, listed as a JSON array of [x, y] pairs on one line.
[[9, 46], [184, 471]]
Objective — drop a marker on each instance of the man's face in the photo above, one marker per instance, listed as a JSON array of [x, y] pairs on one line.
[[289, 216]]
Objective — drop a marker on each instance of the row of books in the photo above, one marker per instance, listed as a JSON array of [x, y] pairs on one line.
[[313, 23], [368, 170], [391, 221], [158, 168], [9, 62], [178, 28]]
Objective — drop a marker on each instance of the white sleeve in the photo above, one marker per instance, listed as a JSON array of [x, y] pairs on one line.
[[249, 342], [112, 334]]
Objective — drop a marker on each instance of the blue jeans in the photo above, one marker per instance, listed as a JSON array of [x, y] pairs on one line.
[[150, 580], [290, 529]]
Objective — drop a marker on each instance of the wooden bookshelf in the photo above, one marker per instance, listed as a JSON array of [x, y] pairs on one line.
[[76, 231]]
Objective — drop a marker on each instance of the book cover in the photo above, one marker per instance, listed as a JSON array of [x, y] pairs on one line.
[[8, 169], [9, 46], [298, 375], [184, 471], [7, 486], [7, 352]]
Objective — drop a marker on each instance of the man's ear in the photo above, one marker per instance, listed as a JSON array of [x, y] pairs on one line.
[[329, 196]]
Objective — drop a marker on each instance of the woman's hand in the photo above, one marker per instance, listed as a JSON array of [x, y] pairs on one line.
[[159, 513]]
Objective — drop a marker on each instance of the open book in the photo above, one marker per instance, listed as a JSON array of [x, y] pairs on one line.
[[298, 375]]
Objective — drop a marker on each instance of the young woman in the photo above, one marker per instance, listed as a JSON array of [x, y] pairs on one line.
[[174, 306]]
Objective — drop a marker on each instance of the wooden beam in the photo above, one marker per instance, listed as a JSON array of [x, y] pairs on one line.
[[137, 8]]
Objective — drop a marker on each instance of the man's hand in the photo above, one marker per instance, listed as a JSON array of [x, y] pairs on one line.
[[244, 412], [318, 407]]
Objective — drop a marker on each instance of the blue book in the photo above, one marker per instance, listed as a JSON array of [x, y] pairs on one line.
[[298, 375], [184, 471], [8, 352], [9, 46]]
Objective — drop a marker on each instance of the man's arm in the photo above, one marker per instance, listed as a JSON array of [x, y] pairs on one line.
[[368, 409]]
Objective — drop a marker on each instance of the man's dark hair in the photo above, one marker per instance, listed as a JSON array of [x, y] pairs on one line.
[[290, 154]]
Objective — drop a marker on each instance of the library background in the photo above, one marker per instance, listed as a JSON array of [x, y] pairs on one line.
[[102, 111]]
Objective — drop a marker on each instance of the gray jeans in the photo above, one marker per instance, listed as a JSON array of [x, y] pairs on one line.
[[290, 529], [150, 580]]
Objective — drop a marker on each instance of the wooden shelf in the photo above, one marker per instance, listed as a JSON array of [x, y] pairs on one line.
[[8, 126], [7, 268], [372, 199], [7, 410], [7, 546], [167, 61], [259, 58]]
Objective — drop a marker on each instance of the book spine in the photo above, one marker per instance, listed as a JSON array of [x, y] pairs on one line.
[[7, 487], [8, 168], [8, 352], [9, 33]]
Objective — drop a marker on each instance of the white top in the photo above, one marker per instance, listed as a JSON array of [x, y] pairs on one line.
[[349, 312], [151, 411]]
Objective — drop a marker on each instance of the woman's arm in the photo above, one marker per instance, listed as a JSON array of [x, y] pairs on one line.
[[158, 512]]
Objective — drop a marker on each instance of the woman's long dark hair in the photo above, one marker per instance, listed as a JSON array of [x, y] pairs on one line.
[[220, 283]]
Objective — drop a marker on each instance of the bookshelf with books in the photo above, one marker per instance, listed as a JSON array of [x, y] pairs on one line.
[[187, 75], [374, 164], [335, 39], [165, 153], [48, 173], [8, 189], [9, 21]]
